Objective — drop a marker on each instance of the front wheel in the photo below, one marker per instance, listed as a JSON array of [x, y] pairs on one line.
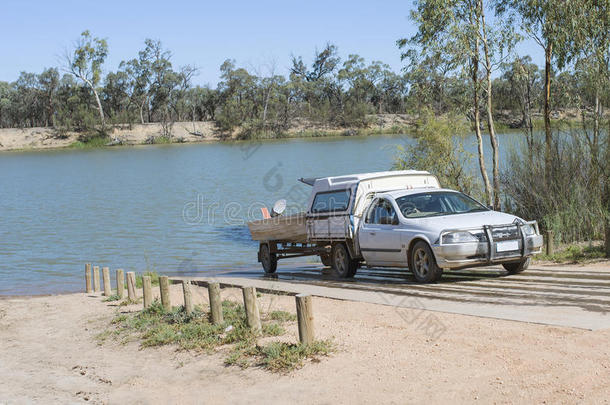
[[423, 264], [268, 259], [518, 267], [342, 263]]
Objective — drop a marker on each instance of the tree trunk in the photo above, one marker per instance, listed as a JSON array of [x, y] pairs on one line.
[[606, 175], [99, 107], [490, 120], [528, 120], [477, 126], [266, 106], [548, 137], [142, 109], [97, 100], [596, 118]]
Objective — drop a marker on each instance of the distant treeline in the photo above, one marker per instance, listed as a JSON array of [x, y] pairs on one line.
[[324, 90]]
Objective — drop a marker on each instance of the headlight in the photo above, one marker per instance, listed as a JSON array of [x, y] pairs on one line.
[[528, 229], [463, 237]]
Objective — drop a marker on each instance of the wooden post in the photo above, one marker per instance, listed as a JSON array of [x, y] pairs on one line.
[[164, 287], [131, 286], [147, 291], [88, 288], [305, 318], [96, 278], [106, 278], [215, 303], [550, 243], [252, 311], [120, 283], [188, 296]]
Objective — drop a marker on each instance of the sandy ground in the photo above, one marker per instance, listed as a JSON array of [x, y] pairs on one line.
[[137, 134], [49, 354]]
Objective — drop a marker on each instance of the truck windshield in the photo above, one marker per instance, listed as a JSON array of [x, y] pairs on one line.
[[437, 203]]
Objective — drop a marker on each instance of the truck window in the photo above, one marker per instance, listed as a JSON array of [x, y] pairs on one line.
[[382, 212], [437, 203], [331, 201]]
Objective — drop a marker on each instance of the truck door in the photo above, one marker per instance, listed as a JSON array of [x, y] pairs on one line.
[[367, 233], [379, 237]]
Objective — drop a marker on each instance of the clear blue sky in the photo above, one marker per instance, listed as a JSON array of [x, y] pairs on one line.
[[205, 33]]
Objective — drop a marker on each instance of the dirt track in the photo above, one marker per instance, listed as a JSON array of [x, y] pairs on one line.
[[48, 352]]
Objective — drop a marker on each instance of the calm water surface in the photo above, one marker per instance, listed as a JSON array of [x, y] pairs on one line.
[[175, 208]]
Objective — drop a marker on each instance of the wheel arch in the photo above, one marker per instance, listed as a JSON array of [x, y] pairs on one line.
[[414, 240]]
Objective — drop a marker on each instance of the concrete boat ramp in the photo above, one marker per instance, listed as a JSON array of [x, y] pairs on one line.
[[572, 296]]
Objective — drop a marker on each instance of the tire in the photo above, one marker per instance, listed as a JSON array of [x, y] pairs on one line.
[[423, 264], [268, 259], [326, 260], [342, 263], [518, 267]]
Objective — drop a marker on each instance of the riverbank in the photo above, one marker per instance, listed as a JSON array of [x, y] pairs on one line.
[[57, 349], [187, 132], [40, 138]]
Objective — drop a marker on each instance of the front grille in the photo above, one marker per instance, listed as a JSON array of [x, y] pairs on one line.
[[509, 232]]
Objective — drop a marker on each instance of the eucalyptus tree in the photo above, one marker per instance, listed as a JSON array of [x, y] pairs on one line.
[[27, 101], [498, 40], [204, 101], [317, 85], [85, 63], [5, 104], [593, 45], [522, 78], [116, 96], [267, 82], [391, 92], [138, 72], [238, 92], [429, 78], [451, 30], [48, 82], [178, 99], [551, 24], [592, 49]]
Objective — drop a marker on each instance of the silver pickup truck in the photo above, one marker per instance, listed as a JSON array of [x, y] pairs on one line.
[[397, 219]]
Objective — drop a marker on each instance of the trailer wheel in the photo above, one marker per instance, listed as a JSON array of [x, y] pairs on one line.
[[518, 267], [342, 263], [268, 259], [423, 264]]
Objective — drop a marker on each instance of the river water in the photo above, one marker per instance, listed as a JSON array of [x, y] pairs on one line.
[[170, 208]]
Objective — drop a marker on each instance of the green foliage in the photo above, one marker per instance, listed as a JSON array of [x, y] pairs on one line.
[[93, 142], [88, 58], [156, 327], [438, 149], [113, 297], [575, 254], [571, 202], [282, 316], [283, 357]]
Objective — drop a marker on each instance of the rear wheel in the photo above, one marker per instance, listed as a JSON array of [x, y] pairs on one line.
[[268, 259], [342, 263], [518, 267], [326, 260], [423, 265]]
